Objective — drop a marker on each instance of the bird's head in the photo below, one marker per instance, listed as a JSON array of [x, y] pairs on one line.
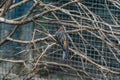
[[59, 28]]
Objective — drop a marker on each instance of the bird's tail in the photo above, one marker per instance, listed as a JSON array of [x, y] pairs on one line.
[[65, 55]]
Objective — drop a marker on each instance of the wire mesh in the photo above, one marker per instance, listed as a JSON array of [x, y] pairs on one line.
[[97, 39]]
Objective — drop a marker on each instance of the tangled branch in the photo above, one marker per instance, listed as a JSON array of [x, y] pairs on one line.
[[93, 40]]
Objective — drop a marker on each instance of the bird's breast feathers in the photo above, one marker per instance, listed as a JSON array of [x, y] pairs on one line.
[[65, 43]]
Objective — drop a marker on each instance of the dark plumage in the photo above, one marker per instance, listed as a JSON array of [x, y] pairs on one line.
[[62, 40]]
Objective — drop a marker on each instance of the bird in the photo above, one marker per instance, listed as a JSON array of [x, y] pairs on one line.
[[62, 39]]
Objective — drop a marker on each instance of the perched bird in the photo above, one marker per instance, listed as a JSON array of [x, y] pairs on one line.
[[62, 40]]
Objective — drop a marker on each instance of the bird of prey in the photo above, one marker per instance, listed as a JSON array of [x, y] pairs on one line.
[[62, 40]]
